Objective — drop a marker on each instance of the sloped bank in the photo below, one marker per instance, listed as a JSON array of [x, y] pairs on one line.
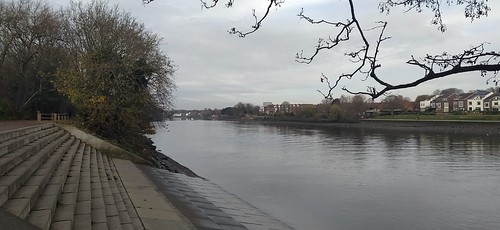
[[155, 158]]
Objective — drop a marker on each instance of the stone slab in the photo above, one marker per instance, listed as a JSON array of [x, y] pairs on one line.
[[83, 222], [65, 212], [40, 218], [154, 207], [11, 222], [61, 225], [18, 207]]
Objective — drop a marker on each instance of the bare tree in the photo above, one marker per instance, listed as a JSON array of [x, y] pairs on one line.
[[395, 103], [29, 33], [366, 59]]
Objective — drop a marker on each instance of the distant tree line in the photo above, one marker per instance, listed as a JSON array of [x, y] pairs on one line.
[[240, 110], [91, 60]]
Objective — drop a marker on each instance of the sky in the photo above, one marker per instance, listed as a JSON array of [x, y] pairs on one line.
[[217, 70]]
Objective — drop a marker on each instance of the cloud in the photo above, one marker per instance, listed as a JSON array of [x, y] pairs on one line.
[[216, 69]]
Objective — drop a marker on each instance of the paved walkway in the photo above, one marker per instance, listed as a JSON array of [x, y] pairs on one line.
[[207, 205], [10, 125], [155, 211]]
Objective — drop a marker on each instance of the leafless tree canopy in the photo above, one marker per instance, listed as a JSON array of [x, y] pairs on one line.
[[476, 58]]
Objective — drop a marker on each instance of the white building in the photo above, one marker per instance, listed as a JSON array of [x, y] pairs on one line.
[[425, 104], [476, 102]]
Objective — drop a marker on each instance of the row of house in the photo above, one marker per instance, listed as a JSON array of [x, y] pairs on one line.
[[271, 109], [475, 101]]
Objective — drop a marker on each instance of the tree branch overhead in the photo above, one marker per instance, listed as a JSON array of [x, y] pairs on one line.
[[366, 58]]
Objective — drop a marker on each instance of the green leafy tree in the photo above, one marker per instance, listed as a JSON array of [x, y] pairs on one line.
[[118, 78], [335, 112]]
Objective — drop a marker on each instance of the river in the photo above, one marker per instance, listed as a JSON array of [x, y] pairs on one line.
[[338, 178]]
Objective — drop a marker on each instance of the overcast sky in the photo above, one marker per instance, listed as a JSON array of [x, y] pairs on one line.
[[216, 69]]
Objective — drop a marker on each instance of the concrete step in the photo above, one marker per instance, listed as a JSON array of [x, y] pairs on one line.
[[10, 134], [65, 210], [26, 164], [98, 207], [26, 196], [112, 217], [53, 180], [127, 203], [19, 141], [82, 218], [43, 211], [124, 216], [13, 158]]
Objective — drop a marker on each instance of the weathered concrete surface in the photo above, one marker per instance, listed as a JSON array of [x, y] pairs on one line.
[[209, 206], [154, 210], [10, 125], [102, 145], [11, 222]]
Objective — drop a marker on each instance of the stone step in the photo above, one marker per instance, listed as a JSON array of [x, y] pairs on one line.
[[128, 206], [10, 134], [82, 218], [65, 211], [125, 221], [26, 164], [43, 212], [112, 217], [55, 181], [15, 143], [12, 159], [26, 196], [98, 207]]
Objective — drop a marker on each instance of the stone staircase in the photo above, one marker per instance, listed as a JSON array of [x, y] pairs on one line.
[[55, 181]]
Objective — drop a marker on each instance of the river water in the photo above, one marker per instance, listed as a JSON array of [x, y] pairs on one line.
[[346, 178]]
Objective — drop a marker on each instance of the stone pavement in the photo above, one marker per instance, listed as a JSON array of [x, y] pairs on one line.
[[207, 205], [155, 211], [10, 125], [53, 180]]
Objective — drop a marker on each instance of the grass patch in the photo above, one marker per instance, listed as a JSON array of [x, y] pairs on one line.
[[442, 116]]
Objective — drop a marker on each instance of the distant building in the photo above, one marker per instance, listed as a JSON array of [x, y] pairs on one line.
[[460, 102], [475, 102], [426, 104], [264, 105], [444, 103], [284, 108], [492, 102]]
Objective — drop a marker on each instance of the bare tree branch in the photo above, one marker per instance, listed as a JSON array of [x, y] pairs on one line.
[[258, 22], [214, 3], [366, 58], [474, 9], [434, 66]]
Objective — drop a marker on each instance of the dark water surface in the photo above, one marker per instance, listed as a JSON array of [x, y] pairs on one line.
[[346, 178]]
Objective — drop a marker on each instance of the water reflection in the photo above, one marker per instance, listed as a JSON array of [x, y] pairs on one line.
[[339, 178]]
